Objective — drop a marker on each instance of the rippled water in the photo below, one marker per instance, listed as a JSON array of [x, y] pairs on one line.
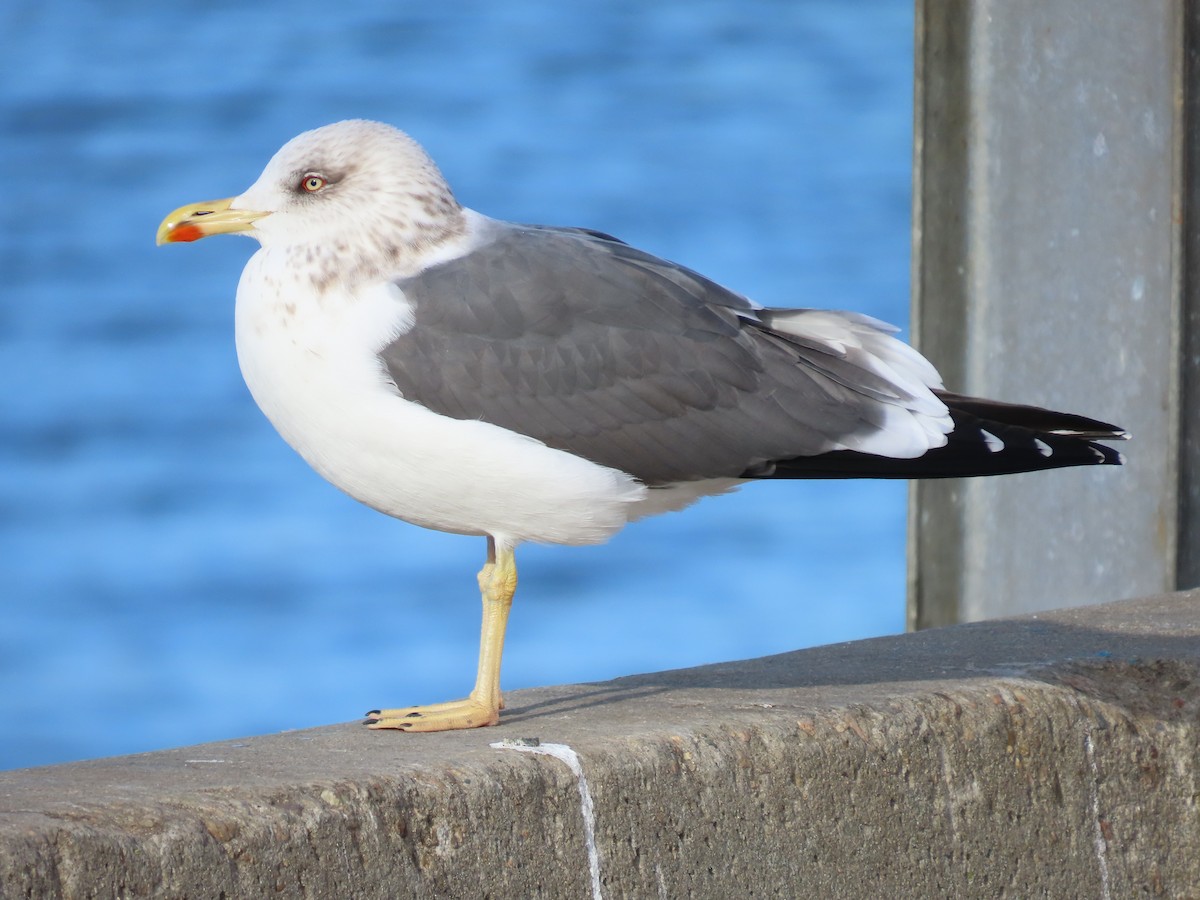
[[172, 573]]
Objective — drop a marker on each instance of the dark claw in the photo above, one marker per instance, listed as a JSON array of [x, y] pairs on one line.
[[373, 712], [413, 715], [370, 720]]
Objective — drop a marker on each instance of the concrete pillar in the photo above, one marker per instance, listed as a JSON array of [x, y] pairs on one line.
[[1054, 147]]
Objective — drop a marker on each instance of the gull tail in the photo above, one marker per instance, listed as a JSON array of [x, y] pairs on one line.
[[989, 438]]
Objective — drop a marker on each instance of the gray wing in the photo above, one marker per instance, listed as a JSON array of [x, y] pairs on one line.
[[594, 347]]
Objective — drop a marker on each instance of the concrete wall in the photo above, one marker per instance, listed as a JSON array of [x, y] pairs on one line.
[[1055, 755], [1054, 175]]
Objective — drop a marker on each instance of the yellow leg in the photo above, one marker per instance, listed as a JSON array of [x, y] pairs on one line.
[[497, 583]]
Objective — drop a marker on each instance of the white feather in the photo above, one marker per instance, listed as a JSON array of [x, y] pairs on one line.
[[916, 421]]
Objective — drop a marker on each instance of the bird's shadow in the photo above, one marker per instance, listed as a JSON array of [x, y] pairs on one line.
[[1121, 644]]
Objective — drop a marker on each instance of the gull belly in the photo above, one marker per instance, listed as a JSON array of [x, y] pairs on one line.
[[310, 361]]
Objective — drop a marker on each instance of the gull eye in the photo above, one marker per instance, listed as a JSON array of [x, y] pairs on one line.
[[313, 183]]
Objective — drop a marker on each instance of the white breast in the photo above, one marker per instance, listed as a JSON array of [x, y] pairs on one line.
[[311, 362]]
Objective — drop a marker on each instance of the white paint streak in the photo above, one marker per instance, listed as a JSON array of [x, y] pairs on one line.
[[571, 759], [1098, 841]]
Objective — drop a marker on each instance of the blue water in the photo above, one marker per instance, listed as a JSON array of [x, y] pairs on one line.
[[172, 573]]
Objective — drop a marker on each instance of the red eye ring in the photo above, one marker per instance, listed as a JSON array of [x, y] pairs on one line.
[[313, 183]]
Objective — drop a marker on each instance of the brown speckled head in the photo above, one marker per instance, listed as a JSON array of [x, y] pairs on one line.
[[353, 201]]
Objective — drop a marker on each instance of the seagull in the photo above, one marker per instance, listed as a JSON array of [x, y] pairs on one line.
[[534, 383]]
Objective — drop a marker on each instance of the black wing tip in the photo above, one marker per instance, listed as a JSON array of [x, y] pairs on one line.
[[972, 451]]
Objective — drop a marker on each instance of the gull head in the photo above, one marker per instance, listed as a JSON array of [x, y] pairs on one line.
[[352, 187]]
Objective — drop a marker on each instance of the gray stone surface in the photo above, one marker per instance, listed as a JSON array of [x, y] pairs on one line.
[[1054, 755]]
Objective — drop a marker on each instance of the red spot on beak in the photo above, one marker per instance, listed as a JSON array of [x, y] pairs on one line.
[[185, 233]]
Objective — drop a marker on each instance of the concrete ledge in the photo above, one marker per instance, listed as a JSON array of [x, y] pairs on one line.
[[1054, 755]]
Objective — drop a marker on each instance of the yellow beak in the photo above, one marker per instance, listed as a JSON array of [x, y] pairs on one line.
[[197, 220]]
